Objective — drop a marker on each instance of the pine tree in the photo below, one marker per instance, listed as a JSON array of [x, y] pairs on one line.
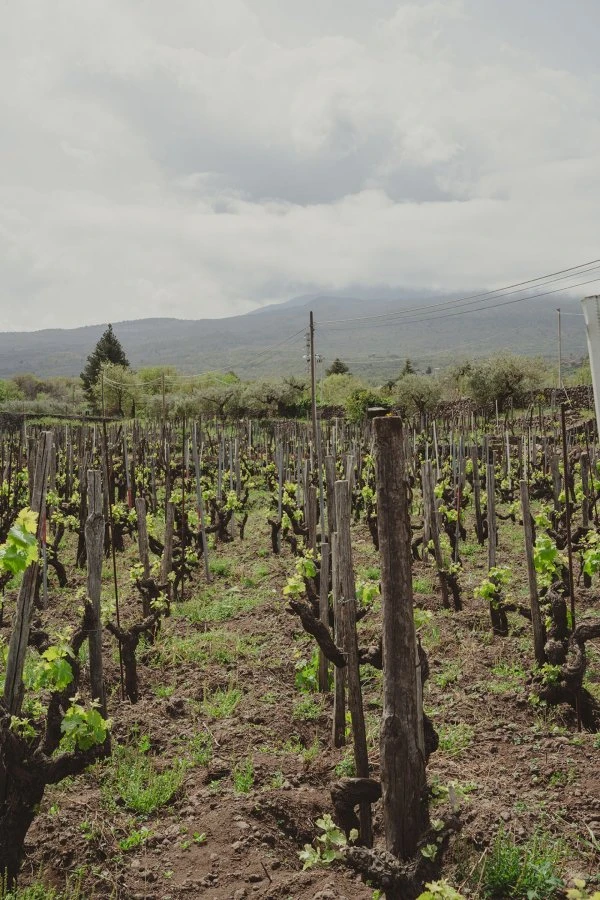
[[337, 367], [107, 350]]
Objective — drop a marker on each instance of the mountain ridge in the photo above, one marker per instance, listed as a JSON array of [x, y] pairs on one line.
[[270, 340]]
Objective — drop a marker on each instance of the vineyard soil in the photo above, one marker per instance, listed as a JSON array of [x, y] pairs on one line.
[[246, 754]]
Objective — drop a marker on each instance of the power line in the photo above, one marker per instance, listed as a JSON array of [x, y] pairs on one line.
[[562, 274], [411, 320]]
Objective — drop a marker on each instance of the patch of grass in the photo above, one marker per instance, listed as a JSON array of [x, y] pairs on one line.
[[292, 745], [134, 839], [449, 674], [455, 739], [507, 677], [529, 870], [164, 691], [215, 606], [277, 781], [243, 776], [309, 754], [200, 748], [222, 703], [372, 573], [170, 651], [425, 624], [422, 585], [308, 709], [346, 767], [142, 787], [261, 571], [39, 891], [220, 567]]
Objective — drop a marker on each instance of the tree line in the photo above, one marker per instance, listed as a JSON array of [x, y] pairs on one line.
[[108, 385]]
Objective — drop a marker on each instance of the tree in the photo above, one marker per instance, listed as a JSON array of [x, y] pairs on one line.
[[408, 369], [108, 350], [337, 367], [417, 393], [121, 391], [359, 401], [335, 389], [503, 379]]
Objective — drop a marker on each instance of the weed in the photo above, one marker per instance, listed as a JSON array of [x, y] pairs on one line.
[[222, 702], [220, 567], [201, 748], [346, 767], [217, 607], [39, 891], [134, 839], [307, 673], [450, 673], [139, 784], [308, 709], [507, 677], [454, 739], [164, 691], [422, 585], [243, 776], [277, 781], [528, 870], [309, 754]]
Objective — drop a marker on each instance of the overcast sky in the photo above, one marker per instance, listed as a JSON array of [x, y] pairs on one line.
[[202, 157]]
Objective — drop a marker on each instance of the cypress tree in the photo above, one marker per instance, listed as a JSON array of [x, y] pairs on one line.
[[107, 350]]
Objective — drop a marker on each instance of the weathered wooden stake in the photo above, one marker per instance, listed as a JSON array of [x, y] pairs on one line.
[[536, 618], [403, 778], [94, 542], [345, 575]]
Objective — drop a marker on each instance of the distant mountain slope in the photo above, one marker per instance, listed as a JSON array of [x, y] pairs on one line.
[[251, 344]]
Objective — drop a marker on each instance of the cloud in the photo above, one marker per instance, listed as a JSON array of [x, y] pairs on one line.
[[201, 158]]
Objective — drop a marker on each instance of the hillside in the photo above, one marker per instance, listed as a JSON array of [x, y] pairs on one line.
[[243, 343]]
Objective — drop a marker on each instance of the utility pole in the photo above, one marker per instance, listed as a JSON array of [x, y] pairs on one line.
[[315, 430], [559, 351], [102, 390]]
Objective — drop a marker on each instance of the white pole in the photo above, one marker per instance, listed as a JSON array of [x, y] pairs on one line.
[[591, 311]]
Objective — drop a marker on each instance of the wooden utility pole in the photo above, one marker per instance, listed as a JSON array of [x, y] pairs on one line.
[[559, 351], [316, 430], [403, 779]]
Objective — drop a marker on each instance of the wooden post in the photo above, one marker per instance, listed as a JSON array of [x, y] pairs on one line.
[[339, 675], [330, 480], [556, 480], [429, 501], [94, 542], [491, 512], [477, 494], [166, 563], [200, 502], [539, 638], [19, 638], [585, 484], [324, 613], [311, 516], [345, 575], [403, 778], [140, 508]]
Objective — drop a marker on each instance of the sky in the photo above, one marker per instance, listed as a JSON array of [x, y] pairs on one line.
[[201, 158]]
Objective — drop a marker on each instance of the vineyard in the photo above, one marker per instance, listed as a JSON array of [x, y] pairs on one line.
[[264, 659]]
